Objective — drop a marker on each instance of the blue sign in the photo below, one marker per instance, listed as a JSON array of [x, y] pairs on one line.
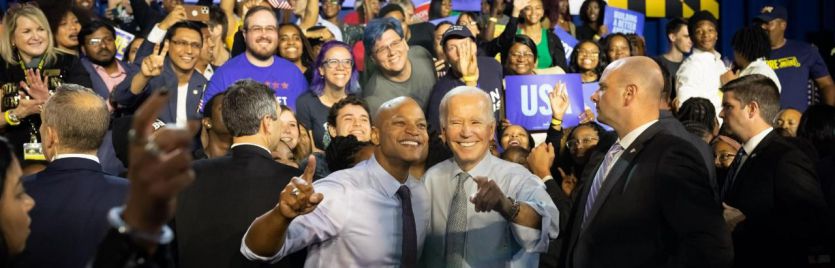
[[527, 102], [466, 5], [568, 42], [450, 19], [588, 90], [625, 21]]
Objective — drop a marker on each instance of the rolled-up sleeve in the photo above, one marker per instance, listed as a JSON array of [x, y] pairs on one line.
[[318, 226], [532, 192]]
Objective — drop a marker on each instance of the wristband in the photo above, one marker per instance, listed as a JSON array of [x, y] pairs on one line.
[[116, 221], [493, 19], [556, 122], [12, 122], [471, 78]]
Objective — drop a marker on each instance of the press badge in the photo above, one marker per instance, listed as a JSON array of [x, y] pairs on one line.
[[33, 151]]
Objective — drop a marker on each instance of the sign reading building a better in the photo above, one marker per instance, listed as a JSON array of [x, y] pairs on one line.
[[625, 21], [528, 104]]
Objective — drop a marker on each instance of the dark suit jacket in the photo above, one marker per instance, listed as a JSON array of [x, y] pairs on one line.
[[129, 102], [655, 209], [72, 197], [98, 84], [674, 127], [783, 205], [227, 195]]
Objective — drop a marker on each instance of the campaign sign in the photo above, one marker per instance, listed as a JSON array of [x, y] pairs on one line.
[[450, 19], [588, 90], [625, 21], [466, 5], [123, 40], [568, 42], [528, 104], [422, 11]]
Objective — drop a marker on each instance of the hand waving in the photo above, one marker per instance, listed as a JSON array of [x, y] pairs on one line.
[[298, 197], [153, 64], [36, 86], [559, 100]]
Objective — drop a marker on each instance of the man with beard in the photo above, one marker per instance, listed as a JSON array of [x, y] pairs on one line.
[[99, 60], [174, 72], [259, 62]]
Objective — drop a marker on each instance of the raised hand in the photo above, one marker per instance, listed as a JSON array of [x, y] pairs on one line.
[[518, 6], [28, 106], [176, 15], [568, 182], [586, 116], [540, 160], [467, 64], [36, 86], [732, 215], [489, 197], [559, 100], [153, 64], [159, 169], [298, 197]]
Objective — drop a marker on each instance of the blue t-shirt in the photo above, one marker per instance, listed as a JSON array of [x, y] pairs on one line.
[[795, 63], [283, 77]]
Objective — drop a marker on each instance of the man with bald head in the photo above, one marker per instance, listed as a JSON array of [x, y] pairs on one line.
[[647, 202], [372, 215], [786, 122], [486, 212]]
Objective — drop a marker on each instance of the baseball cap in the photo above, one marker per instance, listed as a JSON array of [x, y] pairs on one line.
[[456, 31], [769, 13]]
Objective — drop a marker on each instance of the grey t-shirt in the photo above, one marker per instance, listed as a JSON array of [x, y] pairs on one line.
[[379, 89]]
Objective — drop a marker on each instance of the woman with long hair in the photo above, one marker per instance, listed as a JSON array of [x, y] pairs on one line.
[[293, 46], [15, 205], [335, 76], [30, 66], [591, 13]]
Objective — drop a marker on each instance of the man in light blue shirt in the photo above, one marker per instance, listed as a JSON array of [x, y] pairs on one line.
[[372, 215], [486, 212]]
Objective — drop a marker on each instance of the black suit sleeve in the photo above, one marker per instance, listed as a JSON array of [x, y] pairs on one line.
[[118, 250], [687, 203]]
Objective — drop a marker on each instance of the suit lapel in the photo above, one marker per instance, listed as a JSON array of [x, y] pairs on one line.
[[749, 162], [624, 163]]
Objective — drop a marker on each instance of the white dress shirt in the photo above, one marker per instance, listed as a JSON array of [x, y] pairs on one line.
[[85, 156], [182, 96], [752, 143], [699, 76], [760, 67], [359, 222], [491, 240], [628, 139]]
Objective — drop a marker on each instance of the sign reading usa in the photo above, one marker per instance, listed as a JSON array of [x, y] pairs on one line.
[[528, 104]]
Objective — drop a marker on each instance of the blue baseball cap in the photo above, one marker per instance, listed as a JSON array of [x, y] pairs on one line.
[[771, 12]]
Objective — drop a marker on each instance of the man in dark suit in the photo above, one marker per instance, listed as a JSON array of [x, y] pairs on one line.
[[230, 191], [170, 65], [647, 203], [73, 194], [773, 202]]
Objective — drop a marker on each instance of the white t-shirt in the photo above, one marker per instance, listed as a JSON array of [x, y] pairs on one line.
[[760, 67], [182, 116]]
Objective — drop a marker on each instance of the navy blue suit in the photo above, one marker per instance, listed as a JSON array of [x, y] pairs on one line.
[[72, 198], [167, 79]]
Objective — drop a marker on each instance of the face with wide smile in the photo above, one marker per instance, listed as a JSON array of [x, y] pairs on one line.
[[290, 129], [469, 129], [618, 48], [588, 56], [401, 133], [390, 52], [352, 120], [262, 35], [337, 67], [534, 12], [515, 135], [185, 46], [520, 59], [30, 38], [290, 43]]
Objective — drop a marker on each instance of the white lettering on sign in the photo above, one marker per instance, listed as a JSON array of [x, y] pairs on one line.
[[535, 99]]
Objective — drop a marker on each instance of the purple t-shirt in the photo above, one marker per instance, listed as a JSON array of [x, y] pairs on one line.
[[282, 76], [795, 63]]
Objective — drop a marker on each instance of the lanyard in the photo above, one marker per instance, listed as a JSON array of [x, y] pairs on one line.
[[23, 65]]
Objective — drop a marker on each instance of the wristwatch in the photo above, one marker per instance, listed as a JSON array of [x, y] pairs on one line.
[[13, 117], [114, 217]]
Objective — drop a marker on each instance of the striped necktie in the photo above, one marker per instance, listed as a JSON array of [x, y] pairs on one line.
[[599, 177]]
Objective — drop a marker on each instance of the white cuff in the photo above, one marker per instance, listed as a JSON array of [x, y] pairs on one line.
[[156, 35]]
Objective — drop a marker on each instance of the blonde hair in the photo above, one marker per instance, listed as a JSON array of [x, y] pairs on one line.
[[32, 12]]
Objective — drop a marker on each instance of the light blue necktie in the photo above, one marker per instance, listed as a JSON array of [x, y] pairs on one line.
[[599, 177]]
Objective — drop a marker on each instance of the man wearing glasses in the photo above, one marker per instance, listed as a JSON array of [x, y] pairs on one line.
[[260, 62], [400, 70], [169, 66]]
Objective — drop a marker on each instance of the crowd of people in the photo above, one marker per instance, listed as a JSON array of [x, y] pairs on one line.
[[260, 133]]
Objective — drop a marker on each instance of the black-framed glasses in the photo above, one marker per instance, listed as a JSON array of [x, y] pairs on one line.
[[183, 43], [586, 141]]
